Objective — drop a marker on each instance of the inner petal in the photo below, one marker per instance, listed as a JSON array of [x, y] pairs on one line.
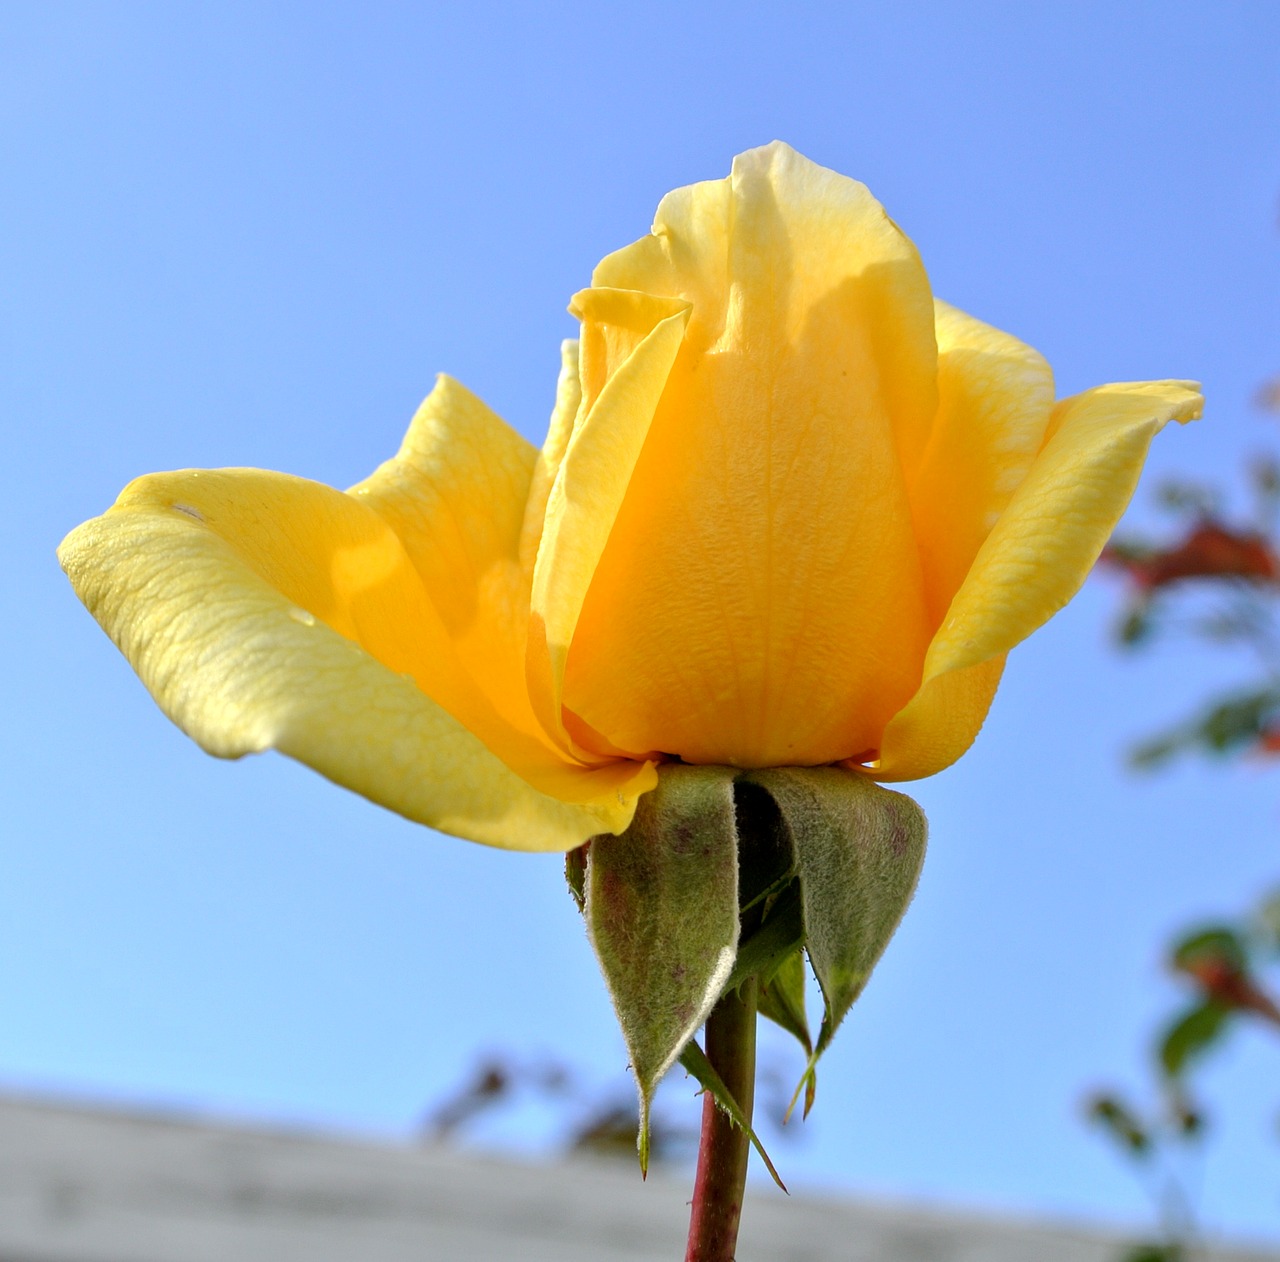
[[759, 601]]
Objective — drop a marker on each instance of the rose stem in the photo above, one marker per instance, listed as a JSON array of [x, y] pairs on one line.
[[723, 1149]]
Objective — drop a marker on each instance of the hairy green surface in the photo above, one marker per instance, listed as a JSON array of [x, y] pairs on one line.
[[662, 912], [858, 852]]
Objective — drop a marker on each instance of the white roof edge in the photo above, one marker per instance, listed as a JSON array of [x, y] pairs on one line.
[[94, 1183]]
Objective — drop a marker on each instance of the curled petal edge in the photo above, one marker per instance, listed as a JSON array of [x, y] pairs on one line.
[[241, 669], [592, 479], [1033, 562]]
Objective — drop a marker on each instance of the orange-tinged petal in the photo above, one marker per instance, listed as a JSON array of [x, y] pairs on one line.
[[629, 342], [1033, 561], [760, 602], [455, 497], [1045, 543], [268, 611], [939, 723], [994, 398]]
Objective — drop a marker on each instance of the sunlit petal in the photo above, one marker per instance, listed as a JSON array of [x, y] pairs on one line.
[[1033, 561], [760, 600], [939, 723], [629, 342], [264, 611], [994, 398]]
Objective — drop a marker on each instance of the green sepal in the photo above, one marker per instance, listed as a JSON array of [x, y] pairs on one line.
[[858, 852], [662, 912], [575, 874], [780, 936], [694, 1059], [782, 1001]]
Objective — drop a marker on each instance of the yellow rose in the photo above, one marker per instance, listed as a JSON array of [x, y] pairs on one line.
[[792, 510]]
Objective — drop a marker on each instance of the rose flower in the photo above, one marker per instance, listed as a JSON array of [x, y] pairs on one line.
[[792, 511]]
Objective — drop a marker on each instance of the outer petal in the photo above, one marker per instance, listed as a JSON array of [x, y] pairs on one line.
[[994, 398], [1033, 561], [630, 341], [465, 495], [266, 611], [939, 723], [759, 602], [455, 496]]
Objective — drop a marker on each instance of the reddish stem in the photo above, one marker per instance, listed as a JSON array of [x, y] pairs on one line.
[[724, 1148]]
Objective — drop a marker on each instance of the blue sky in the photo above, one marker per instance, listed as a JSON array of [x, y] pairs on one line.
[[251, 234]]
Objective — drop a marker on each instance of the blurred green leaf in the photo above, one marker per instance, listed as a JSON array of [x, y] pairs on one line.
[[1135, 627], [1121, 1123], [1187, 1119], [1130, 551], [1178, 496], [1264, 476], [1234, 723], [1154, 753], [1268, 920], [1191, 1035], [1211, 945]]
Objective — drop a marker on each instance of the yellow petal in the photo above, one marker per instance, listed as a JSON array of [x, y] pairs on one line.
[[455, 497], [1033, 561], [939, 723], [264, 611], [994, 399], [547, 465], [629, 342], [759, 601]]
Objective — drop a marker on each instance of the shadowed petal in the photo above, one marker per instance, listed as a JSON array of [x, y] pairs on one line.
[[455, 496], [264, 611]]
